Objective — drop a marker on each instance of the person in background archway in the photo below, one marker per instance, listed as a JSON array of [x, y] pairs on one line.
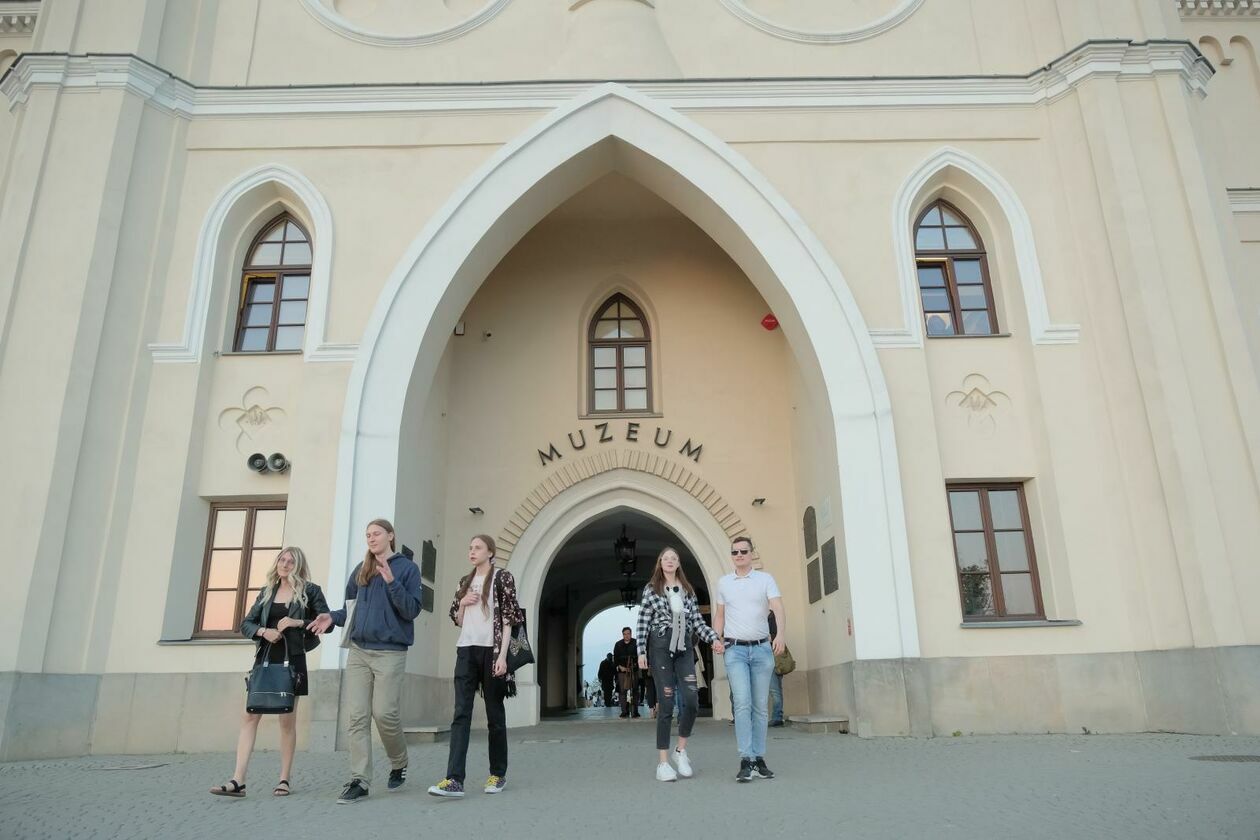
[[744, 599], [776, 681], [626, 657], [484, 608], [385, 591], [669, 620], [606, 672]]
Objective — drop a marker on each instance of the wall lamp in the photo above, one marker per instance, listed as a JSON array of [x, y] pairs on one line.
[[476, 511]]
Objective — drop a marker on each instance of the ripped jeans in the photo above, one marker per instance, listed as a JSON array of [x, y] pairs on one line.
[[673, 672]]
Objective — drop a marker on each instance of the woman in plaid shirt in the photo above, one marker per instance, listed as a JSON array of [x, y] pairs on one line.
[[668, 618]]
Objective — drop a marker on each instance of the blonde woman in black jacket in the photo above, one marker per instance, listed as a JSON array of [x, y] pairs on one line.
[[277, 620]]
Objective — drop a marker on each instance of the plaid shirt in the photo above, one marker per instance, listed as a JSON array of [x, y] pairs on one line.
[[654, 611]]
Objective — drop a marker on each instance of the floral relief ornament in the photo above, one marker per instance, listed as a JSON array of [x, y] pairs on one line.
[[980, 401], [251, 418]]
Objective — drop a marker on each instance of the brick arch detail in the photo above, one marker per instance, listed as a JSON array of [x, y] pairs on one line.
[[574, 472]]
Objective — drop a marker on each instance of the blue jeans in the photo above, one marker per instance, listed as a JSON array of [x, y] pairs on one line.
[[776, 697], [748, 667]]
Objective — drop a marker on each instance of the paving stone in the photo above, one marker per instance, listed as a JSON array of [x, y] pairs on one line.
[[563, 775]]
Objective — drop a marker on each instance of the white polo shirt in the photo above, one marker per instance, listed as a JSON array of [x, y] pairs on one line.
[[746, 601]]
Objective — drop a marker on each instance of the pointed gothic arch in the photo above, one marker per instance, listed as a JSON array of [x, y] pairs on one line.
[[611, 128]]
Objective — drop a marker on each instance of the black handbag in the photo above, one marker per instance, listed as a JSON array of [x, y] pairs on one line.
[[519, 653], [271, 685]]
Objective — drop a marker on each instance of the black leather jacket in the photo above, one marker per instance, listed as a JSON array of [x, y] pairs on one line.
[[299, 639]]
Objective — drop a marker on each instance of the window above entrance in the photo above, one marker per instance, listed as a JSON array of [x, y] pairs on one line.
[[620, 359]]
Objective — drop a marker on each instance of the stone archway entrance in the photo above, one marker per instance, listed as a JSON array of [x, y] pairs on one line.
[[612, 129], [585, 579], [642, 495]]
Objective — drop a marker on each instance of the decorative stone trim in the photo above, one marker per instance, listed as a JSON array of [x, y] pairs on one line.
[[18, 18], [1126, 60], [836, 36], [347, 29], [1244, 201], [1218, 8], [910, 334], [626, 459], [188, 348]]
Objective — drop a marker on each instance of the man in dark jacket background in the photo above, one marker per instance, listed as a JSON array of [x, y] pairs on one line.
[[606, 672], [626, 657]]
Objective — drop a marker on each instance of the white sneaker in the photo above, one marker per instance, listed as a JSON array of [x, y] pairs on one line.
[[665, 773], [684, 764]]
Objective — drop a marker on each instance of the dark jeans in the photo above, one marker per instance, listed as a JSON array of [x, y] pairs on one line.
[[674, 672], [606, 688], [474, 667]]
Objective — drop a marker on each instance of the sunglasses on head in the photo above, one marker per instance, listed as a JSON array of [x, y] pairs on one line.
[[735, 551]]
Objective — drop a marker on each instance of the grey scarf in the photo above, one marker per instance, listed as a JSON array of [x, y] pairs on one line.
[[678, 628]]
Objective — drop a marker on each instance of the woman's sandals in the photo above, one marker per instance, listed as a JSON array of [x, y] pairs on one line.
[[282, 788], [237, 790]]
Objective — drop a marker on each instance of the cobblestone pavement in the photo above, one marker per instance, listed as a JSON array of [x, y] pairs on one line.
[[581, 779]]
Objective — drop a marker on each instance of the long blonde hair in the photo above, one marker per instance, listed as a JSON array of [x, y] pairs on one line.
[[368, 567], [297, 578]]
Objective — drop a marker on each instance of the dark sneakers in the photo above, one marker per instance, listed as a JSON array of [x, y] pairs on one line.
[[745, 773], [353, 793], [397, 778], [760, 770]]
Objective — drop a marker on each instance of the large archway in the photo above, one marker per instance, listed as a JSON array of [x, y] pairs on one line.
[[611, 128], [566, 515], [585, 579]]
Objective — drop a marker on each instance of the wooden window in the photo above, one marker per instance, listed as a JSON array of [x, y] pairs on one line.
[[241, 543], [275, 286], [997, 568], [953, 271], [620, 358]]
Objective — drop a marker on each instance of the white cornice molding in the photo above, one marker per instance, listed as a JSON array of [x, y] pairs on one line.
[[347, 29], [1218, 8], [1245, 201], [740, 9], [18, 18], [1096, 59]]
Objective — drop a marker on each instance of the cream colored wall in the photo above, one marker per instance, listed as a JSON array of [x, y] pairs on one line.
[[1233, 104], [253, 42], [1140, 439], [825, 624], [725, 381]]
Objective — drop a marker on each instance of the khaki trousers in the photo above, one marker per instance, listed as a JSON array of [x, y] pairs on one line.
[[374, 681]]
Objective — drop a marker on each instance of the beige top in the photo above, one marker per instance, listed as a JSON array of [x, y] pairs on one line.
[[477, 628]]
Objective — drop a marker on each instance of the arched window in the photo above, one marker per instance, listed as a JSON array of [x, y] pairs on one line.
[[275, 285], [620, 362], [953, 274]]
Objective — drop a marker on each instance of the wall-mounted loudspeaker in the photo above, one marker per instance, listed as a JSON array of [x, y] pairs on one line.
[[260, 463]]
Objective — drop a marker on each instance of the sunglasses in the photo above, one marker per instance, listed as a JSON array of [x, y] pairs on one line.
[[735, 551]]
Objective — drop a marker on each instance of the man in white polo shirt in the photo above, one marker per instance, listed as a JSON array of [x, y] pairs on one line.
[[744, 599]]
